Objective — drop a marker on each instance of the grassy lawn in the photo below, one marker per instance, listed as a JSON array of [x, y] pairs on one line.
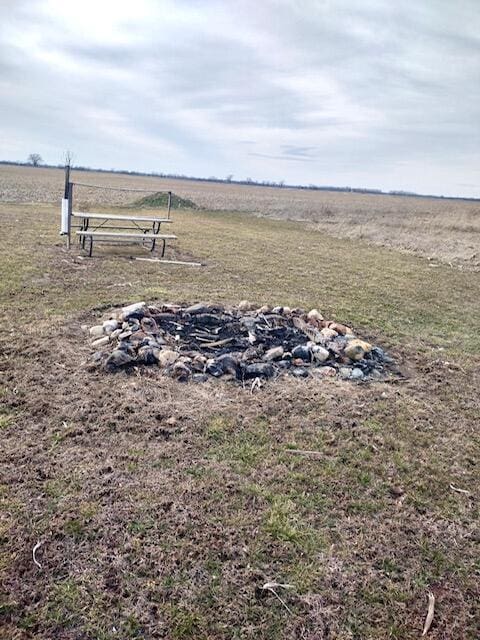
[[161, 509]]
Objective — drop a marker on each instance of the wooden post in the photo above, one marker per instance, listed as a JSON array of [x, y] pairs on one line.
[[169, 203]]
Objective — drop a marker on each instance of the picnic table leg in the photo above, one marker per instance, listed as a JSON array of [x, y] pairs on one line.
[[91, 247], [85, 224], [163, 248]]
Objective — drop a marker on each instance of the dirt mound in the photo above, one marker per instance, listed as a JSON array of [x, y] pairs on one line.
[[160, 199]]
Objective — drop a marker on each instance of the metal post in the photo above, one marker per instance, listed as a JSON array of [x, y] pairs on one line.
[[70, 202], [67, 180], [169, 203], [64, 209]]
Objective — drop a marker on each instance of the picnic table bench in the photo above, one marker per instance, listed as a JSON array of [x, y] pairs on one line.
[[143, 229]]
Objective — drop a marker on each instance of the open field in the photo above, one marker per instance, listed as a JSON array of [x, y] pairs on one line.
[[161, 509], [447, 230]]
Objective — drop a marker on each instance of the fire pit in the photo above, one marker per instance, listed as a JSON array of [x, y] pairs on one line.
[[243, 343]]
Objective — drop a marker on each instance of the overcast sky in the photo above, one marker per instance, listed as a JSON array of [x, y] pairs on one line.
[[372, 93]]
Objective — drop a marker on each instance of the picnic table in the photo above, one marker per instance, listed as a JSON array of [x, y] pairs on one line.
[[113, 227]]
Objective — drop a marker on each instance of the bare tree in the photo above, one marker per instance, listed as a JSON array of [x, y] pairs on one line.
[[229, 178], [35, 159]]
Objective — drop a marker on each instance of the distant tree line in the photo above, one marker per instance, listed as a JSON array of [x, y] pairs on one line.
[[35, 159]]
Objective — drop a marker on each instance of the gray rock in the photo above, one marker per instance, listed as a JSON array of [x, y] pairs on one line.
[[136, 310], [214, 369], [227, 363], [156, 342], [274, 353], [149, 325], [344, 372], [118, 358], [199, 377], [299, 372], [356, 374], [109, 326], [200, 307], [302, 352], [257, 370]]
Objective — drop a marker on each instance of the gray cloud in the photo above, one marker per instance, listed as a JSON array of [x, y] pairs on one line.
[[366, 93]]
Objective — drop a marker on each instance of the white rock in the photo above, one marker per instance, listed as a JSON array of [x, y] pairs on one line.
[[101, 342], [245, 305], [96, 331], [320, 354], [264, 309], [167, 357], [274, 353], [323, 372], [328, 334], [315, 315]]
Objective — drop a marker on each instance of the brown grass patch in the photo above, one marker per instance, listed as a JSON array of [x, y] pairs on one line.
[[161, 528]]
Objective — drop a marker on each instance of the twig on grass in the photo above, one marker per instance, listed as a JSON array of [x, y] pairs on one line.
[[256, 383], [271, 586], [431, 610], [161, 261], [453, 488], [303, 452], [34, 551]]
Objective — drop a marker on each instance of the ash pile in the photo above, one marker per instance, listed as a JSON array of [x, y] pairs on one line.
[[205, 341]]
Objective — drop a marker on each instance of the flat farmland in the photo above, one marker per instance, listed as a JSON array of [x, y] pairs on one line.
[[441, 229], [161, 510]]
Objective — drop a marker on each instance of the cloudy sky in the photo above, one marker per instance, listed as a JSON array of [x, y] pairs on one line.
[[371, 93]]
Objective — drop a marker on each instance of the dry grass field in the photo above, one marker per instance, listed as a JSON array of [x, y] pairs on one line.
[[161, 509], [446, 230]]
